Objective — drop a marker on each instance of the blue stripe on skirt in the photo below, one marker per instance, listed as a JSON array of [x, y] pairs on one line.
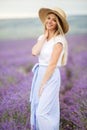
[[45, 111]]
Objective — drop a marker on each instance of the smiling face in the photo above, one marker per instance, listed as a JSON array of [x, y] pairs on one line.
[[51, 22]]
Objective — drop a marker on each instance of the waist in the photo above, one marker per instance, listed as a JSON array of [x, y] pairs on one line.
[[45, 64]]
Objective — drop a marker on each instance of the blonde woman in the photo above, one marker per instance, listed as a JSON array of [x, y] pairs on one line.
[[51, 49]]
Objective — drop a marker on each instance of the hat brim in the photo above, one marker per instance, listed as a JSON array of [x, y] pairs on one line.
[[43, 12]]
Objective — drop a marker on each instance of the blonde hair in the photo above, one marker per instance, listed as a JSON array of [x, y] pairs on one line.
[[65, 55], [59, 31]]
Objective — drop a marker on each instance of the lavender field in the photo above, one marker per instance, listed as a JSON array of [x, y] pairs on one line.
[[15, 81], [16, 63]]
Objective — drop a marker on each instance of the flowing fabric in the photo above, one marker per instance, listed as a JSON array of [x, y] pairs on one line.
[[45, 110]]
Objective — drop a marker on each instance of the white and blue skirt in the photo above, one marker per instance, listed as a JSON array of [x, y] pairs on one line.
[[45, 110]]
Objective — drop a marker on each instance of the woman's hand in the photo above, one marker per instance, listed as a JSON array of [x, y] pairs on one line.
[[41, 90]]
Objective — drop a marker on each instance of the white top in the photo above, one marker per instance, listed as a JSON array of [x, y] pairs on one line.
[[46, 51]]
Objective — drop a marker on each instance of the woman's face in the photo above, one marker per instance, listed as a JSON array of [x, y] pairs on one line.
[[51, 22]]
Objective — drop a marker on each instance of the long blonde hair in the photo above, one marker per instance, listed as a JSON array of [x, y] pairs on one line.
[[59, 31]]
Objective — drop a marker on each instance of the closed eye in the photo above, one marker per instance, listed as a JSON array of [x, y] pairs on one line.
[[48, 18], [54, 20]]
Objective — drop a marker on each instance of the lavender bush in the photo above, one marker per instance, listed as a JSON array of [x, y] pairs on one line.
[[16, 63], [74, 85]]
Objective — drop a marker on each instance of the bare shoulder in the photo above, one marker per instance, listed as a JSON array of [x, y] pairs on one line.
[[58, 46]]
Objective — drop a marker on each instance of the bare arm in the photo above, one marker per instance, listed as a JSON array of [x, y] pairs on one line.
[[38, 46], [54, 59]]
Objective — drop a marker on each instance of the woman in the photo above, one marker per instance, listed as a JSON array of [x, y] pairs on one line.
[[51, 49]]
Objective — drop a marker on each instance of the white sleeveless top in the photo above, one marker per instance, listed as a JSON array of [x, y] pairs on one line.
[[47, 49]]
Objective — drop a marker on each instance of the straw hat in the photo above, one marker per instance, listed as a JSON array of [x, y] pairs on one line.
[[43, 12]]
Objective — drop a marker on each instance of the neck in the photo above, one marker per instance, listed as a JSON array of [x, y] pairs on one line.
[[50, 34]]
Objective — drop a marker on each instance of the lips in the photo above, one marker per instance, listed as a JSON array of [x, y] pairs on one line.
[[49, 25]]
